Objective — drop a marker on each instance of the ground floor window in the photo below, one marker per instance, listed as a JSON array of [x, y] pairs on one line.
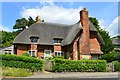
[[47, 53], [59, 53], [7, 51], [32, 52], [95, 57]]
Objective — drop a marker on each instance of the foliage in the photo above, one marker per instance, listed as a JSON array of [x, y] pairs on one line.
[[30, 21], [21, 24], [118, 57], [22, 62], [116, 65], [64, 65], [110, 57], [16, 72], [118, 36], [7, 38], [109, 46], [26, 54], [58, 57]]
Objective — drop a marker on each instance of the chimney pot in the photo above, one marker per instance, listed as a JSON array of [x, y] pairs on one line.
[[38, 19], [85, 9]]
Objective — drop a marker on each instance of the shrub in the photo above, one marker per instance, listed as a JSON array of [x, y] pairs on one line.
[[110, 57], [22, 62], [58, 57], [116, 65], [62, 65], [118, 57], [26, 54]]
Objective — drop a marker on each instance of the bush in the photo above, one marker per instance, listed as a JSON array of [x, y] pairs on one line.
[[116, 65], [26, 54], [22, 62], [63, 65], [118, 57], [110, 57], [58, 57]]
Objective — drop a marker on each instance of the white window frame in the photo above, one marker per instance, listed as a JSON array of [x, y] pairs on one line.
[[31, 53], [59, 52], [57, 42], [45, 53]]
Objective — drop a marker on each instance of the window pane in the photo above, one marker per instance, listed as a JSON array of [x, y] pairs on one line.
[[58, 53], [57, 41], [61, 54], [33, 53], [55, 53]]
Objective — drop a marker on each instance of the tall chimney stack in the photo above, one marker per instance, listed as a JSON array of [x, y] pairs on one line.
[[85, 39]]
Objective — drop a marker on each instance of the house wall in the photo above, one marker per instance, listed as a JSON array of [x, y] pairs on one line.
[[57, 47], [41, 49], [94, 44], [68, 50], [21, 48]]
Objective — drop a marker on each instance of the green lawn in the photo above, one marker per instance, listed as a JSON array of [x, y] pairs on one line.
[[15, 72]]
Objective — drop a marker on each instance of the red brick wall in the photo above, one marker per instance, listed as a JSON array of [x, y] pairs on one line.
[[33, 47], [41, 49], [57, 47], [21, 49], [94, 44]]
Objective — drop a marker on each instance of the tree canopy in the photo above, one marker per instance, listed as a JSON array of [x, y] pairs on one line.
[[109, 46], [23, 23], [7, 38]]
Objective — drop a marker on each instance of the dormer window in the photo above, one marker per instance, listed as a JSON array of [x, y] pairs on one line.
[[57, 40], [34, 39]]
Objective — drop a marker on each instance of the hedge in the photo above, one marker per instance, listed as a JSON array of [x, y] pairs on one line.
[[64, 65], [30, 63]]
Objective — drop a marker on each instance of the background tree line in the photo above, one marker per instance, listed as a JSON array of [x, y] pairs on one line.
[[22, 24], [7, 38]]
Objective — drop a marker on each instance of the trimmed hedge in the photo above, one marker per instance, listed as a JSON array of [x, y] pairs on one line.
[[31, 63], [64, 65]]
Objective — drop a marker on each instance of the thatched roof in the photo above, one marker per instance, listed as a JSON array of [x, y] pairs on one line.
[[48, 31]]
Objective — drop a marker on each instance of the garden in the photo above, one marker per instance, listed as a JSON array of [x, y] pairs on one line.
[[25, 65]]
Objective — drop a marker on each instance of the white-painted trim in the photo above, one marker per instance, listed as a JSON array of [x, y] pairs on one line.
[[59, 52], [33, 50], [45, 53]]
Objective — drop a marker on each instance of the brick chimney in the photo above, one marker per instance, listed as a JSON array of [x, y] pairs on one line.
[[85, 39], [38, 19]]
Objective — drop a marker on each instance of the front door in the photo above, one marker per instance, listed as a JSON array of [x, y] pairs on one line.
[[47, 53]]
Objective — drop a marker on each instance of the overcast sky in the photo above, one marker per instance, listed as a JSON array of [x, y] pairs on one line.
[[61, 12]]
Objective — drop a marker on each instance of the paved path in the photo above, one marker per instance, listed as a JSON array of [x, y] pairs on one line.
[[76, 75]]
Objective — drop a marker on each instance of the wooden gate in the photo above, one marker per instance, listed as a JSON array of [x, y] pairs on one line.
[[110, 67], [47, 65]]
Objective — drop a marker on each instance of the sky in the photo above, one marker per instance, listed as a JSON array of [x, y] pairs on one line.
[[61, 12]]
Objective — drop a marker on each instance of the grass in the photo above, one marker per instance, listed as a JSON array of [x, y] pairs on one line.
[[15, 72]]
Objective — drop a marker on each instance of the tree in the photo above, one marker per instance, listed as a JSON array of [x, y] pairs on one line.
[[30, 21], [109, 46], [6, 38], [21, 24]]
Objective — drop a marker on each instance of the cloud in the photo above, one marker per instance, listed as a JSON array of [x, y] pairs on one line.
[[114, 27], [53, 13], [4, 28], [102, 23]]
